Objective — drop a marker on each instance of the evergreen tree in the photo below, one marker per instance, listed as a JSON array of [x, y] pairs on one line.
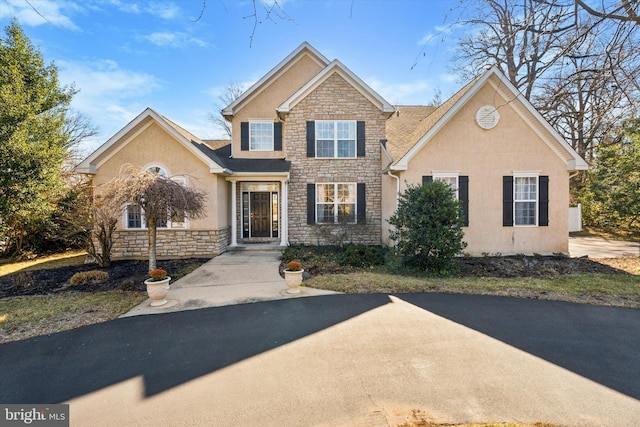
[[33, 143], [612, 195]]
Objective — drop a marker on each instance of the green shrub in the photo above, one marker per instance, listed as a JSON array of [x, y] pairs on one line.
[[88, 277], [428, 228]]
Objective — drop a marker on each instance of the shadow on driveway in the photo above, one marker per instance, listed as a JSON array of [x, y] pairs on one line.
[[599, 343], [166, 349]]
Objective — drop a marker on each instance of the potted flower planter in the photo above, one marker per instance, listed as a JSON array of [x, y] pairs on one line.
[[158, 287], [293, 277]]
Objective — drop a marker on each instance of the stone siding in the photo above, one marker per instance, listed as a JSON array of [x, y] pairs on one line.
[[335, 99], [171, 243]]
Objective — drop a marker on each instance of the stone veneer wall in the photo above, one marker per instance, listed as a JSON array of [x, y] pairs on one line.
[[171, 243], [335, 99]]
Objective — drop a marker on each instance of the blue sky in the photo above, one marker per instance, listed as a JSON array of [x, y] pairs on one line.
[[126, 55]]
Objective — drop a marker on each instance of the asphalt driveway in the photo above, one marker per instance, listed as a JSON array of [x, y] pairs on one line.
[[341, 360]]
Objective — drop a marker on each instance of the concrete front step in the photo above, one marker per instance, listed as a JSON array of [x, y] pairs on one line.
[[256, 247]]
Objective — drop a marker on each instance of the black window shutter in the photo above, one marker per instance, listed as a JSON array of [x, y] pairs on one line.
[[361, 138], [244, 136], [507, 201], [362, 203], [427, 179], [311, 203], [543, 208], [463, 194], [277, 136], [311, 139]]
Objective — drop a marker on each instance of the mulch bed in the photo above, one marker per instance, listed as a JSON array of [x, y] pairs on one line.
[[532, 266], [126, 275], [129, 275]]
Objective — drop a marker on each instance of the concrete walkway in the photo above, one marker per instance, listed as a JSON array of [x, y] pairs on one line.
[[600, 247], [232, 278]]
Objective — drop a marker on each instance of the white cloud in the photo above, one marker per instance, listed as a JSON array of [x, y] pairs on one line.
[[173, 39], [163, 9], [37, 13], [449, 78], [408, 93], [109, 95], [427, 39]]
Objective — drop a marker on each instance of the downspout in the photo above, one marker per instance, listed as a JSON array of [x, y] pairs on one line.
[[397, 178]]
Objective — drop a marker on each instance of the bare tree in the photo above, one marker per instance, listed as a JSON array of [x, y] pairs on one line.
[[580, 71], [158, 196], [104, 218], [232, 91], [626, 10]]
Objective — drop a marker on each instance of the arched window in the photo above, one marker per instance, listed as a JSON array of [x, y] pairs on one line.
[[157, 170], [134, 215]]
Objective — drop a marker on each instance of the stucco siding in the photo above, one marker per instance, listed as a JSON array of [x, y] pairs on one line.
[[485, 156], [154, 146], [263, 105]]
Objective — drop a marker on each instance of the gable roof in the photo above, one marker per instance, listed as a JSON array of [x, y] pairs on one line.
[[402, 146], [305, 49], [336, 67], [137, 125]]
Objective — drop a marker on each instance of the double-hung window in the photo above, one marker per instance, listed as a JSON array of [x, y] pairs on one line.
[[134, 217], [335, 139], [525, 200], [336, 203], [261, 135], [451, 180]]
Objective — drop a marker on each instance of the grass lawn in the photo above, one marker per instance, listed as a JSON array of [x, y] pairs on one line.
[[617, 290], [27, 316], [46, 262]]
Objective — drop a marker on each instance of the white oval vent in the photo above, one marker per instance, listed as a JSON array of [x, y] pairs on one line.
[[487, 117]]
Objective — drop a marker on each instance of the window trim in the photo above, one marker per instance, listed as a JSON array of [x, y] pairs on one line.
[[516, 176], [335, 138], [438, 175], [336, 203], [269, 122]]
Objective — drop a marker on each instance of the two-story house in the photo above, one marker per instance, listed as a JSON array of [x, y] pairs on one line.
[[318, 156]]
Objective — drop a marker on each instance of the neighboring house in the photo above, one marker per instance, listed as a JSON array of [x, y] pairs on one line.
[[318, 157]]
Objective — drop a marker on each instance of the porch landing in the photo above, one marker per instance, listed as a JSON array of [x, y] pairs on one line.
[[273, 246]]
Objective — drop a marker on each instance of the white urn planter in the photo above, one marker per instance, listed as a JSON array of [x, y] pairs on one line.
[[294, 280], [157, 291]]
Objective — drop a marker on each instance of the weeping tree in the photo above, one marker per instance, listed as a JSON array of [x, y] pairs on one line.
[[158, 196]]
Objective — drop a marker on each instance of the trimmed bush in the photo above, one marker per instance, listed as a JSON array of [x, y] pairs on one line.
[[428, 228], [88, 277]]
